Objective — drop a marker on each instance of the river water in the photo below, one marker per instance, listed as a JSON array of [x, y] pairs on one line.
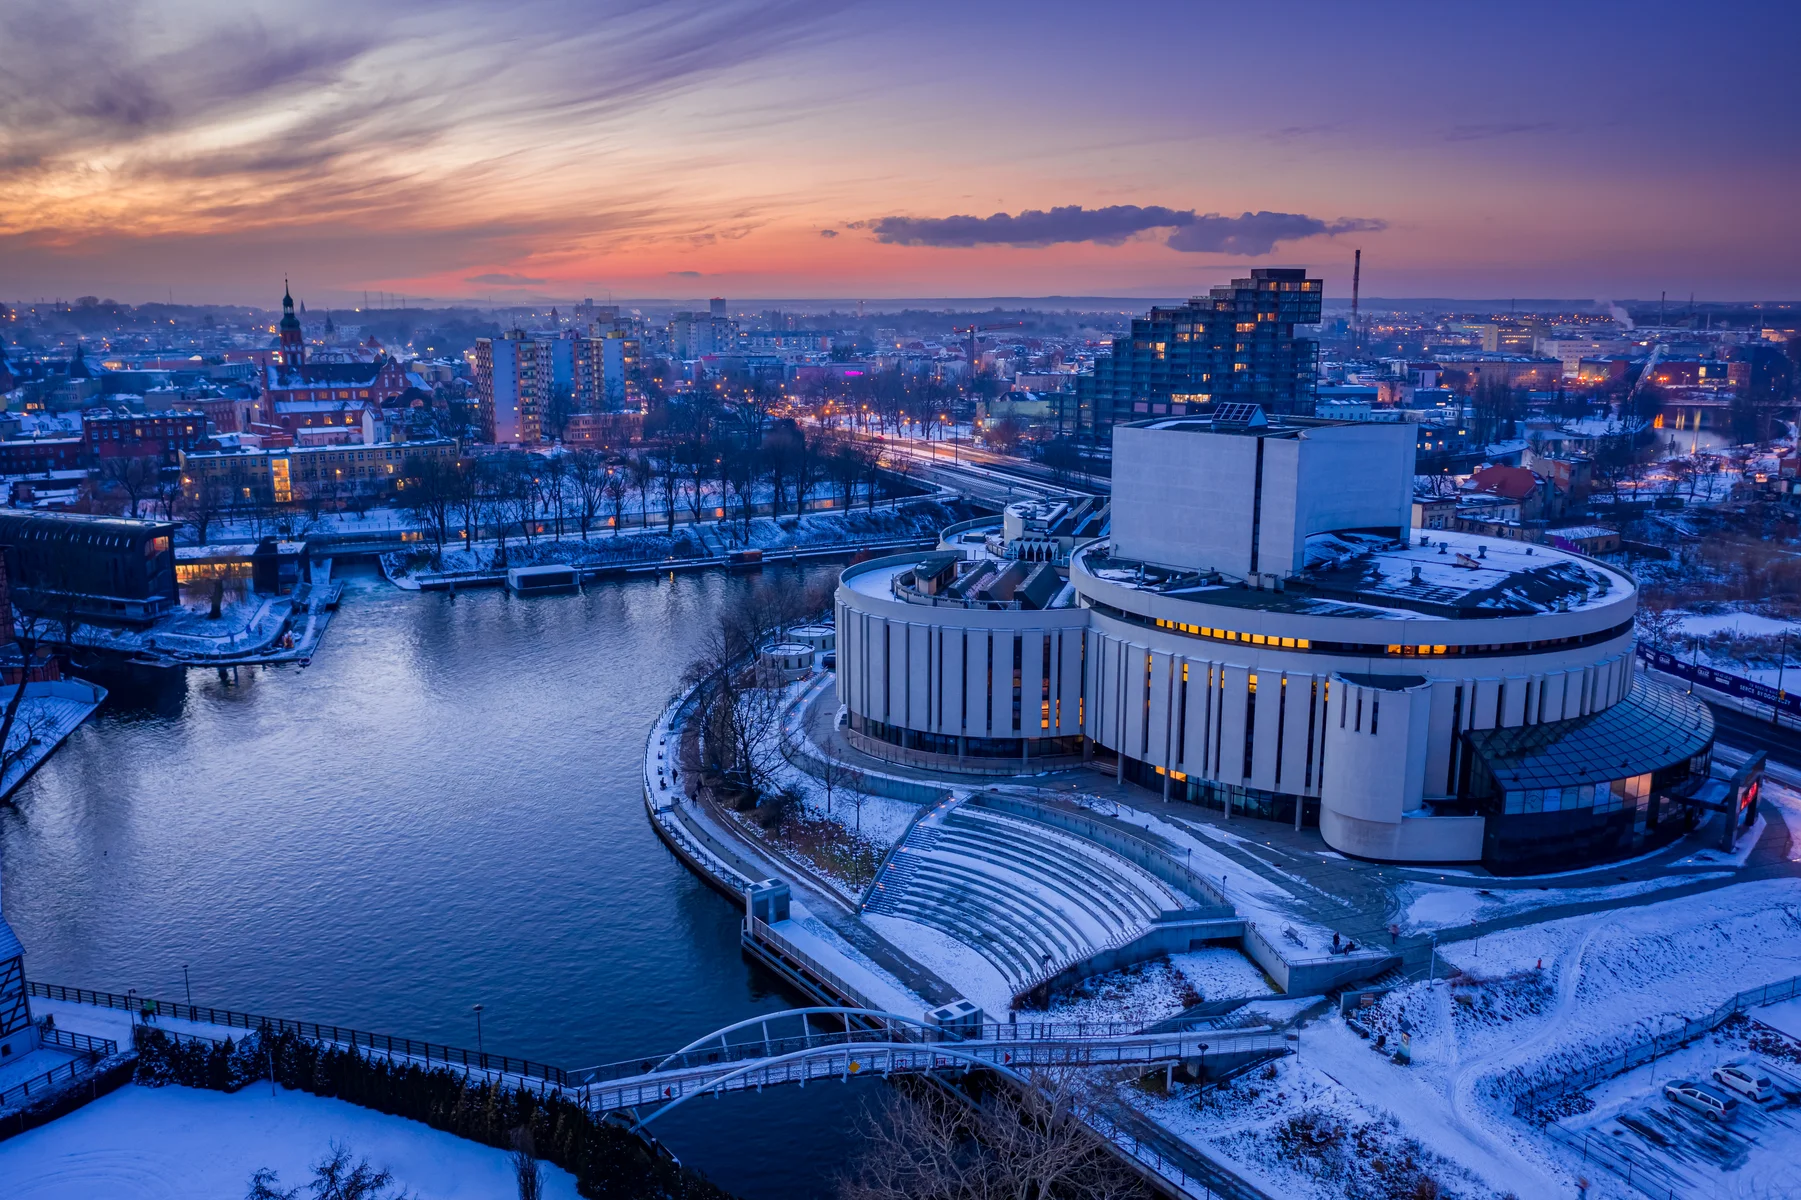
[[443, 810]]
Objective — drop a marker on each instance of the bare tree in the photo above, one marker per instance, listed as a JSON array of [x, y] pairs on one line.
[[204, 500], [466, 500], [616, 487], [29, 632], [834, 774], [668, 486], [1023, 1142], [135, 475], [588, 472], [553, 476], [639, 472], [528, 1172], [429, 492]]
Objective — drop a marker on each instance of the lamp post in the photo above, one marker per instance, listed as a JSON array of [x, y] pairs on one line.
[[478, 1030], [187, 986], [1781, 666]]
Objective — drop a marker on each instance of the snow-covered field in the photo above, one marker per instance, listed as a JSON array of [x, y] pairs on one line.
[[1428, 906], [1531, 1004], [179, 1143], [1163, 987]]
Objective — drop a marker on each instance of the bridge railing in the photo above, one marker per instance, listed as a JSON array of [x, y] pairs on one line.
[[381, 1043]]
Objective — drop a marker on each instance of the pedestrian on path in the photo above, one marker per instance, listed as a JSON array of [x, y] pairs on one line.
[[1394, 934]]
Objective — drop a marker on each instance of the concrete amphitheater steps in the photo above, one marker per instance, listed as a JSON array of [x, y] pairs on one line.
[[1021, 894]]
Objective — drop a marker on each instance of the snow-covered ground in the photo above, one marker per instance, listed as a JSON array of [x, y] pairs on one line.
[[1531, 1004], [958, 965], [1756, 1155], [1163, 987], [1276, 910], [1740, 624], [1428, 906], [177, 1143], [47, 715]]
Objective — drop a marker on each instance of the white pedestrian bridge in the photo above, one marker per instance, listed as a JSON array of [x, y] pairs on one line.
[[806, 1045]]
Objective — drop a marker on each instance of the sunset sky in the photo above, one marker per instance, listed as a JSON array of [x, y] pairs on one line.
[[558, 149]]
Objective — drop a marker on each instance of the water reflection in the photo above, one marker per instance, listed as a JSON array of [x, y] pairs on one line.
[[442, 810]]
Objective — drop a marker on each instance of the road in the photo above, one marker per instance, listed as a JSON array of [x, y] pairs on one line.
[[1736, 728]]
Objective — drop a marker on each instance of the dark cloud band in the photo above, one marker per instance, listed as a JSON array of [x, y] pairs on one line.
[[1248, 234]]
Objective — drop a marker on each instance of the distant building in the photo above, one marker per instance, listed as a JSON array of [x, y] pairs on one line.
[[1237, 343], [298, 394], [163, 436], [35, 456], [249, 477], [1512, 370], [521, 380], [105, 569]]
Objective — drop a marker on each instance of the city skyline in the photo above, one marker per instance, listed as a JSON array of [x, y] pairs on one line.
[[810, 150]]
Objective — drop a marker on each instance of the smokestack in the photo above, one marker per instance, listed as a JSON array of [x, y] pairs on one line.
[[1356, 284]]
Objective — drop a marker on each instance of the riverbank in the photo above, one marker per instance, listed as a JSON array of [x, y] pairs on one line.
[[888, 526], [49, 713]]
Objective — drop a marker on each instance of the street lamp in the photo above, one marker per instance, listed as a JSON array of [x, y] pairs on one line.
[[478, 1030]]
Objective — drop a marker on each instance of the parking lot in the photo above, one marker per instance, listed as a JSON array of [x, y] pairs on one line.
[[1666, 1148]]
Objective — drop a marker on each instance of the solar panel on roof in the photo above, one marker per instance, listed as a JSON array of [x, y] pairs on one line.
[[1240, 413]]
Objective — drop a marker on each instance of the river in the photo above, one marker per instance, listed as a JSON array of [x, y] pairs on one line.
[[443, 810]]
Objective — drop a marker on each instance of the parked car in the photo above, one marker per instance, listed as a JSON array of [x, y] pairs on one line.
[[1703, 1099], [1746, 1079]]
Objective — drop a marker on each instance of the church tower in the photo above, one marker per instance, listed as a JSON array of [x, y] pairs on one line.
[[293, 347]]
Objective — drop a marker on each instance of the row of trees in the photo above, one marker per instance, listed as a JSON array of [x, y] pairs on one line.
[[581, 492]]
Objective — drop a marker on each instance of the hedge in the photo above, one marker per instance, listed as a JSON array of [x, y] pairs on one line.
[[609, 1163]]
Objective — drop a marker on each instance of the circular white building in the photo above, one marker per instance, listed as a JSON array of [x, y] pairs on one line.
[[1259, 629]]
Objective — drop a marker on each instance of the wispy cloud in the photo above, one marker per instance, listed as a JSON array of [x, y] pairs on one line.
[[1247, 234], [119, 116], [1484, 131]]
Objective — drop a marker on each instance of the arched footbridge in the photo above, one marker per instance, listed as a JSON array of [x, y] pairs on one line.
[[805, 1045]]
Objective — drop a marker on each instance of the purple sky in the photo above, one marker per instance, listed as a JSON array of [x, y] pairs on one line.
[[563, 148]]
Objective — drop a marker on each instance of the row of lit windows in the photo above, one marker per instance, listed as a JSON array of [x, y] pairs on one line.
[[1288, 643], [1232, 635]]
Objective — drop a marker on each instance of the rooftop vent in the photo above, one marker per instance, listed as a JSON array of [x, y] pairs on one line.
[[1481, 551], [1416, 572]]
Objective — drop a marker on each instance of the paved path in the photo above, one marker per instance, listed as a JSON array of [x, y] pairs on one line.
[[757, 860]]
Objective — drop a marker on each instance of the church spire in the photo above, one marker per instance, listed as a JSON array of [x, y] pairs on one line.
[[293, 346]]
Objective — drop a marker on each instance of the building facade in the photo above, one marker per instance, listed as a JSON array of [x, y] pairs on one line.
[[247, 477], [527, 383], [1237, 343], [110, 570], [1260, 630]]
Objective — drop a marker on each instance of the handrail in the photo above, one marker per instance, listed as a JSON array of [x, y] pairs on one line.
[[202, 1014], [80, 1043], [20, 1091]]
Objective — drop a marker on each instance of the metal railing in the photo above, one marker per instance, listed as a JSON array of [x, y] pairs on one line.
[[380, 1043], [1640, 1171], [40, 1084], [78, 1043], [757, 930], [91, 1050], [1652, 1048]]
